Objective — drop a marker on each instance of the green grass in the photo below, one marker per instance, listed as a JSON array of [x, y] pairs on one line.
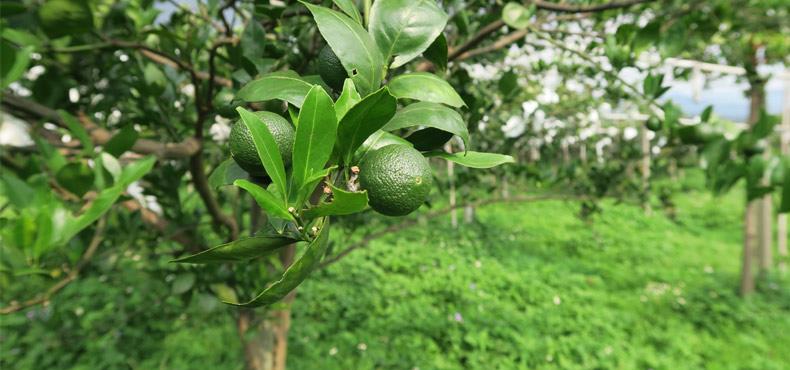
[[530, 286]]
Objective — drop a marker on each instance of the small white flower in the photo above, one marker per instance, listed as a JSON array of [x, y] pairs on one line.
[[529, 107], [478, 264], [14, 132], [35, 72], [220, 130], [123, 58], [556, 300], [333, 351], [362, 346], [630, 133], [79, 311], [74, 95], [114, 117], [188, 90], [514, 127]]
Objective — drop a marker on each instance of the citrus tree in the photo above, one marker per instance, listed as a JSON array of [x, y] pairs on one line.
[[128, 118]]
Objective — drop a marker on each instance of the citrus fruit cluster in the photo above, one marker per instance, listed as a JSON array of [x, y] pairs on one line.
[[397, 177]]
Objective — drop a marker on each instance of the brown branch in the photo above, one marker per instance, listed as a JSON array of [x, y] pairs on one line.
[[502, 43], [459, 52], [567, 8], [98, 236], [99, 135], [196, 164], [412, 222], [163, 58]]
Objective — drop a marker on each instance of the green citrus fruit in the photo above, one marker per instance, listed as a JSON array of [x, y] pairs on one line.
[[330, 69], [242, 147], [398, 179], [653, 123], [65, 17]]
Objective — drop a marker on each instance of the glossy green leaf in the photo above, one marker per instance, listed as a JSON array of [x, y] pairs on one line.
[[267, 149], [508, 84], [271, 204], [295, 274], [348, 7], [224, 292], [437, 53], [111, 164], [352, 45], [764, 126], [705, 116], [362, 120], [474, 159], [11, 8], [403, 29], [425, 86], [282, 85], [121, 141], [107, 197], [239, 250], [183, 283], [429, 138], [79, 132], [76, 177], [516, 15], [379, 139], [315, 136], [430, 115], [343, 203], [226, 173], [347, 99], [16, 191], [13, 62]]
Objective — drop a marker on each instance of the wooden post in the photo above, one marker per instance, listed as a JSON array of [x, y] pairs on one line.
[[583, 153], [645, 168], [781, 220], [749, 231]]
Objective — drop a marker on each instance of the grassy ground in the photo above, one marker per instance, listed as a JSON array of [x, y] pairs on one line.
[[531, 287], [528, 286]]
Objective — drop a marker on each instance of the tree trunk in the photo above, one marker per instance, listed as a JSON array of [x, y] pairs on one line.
[[749, 231], [753, 208], [266, 347]]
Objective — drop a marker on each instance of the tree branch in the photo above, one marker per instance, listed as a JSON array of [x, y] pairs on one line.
[[412, 222], [99, 135], [567, 8], [459, 52], [98, 236], [196, 164]]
